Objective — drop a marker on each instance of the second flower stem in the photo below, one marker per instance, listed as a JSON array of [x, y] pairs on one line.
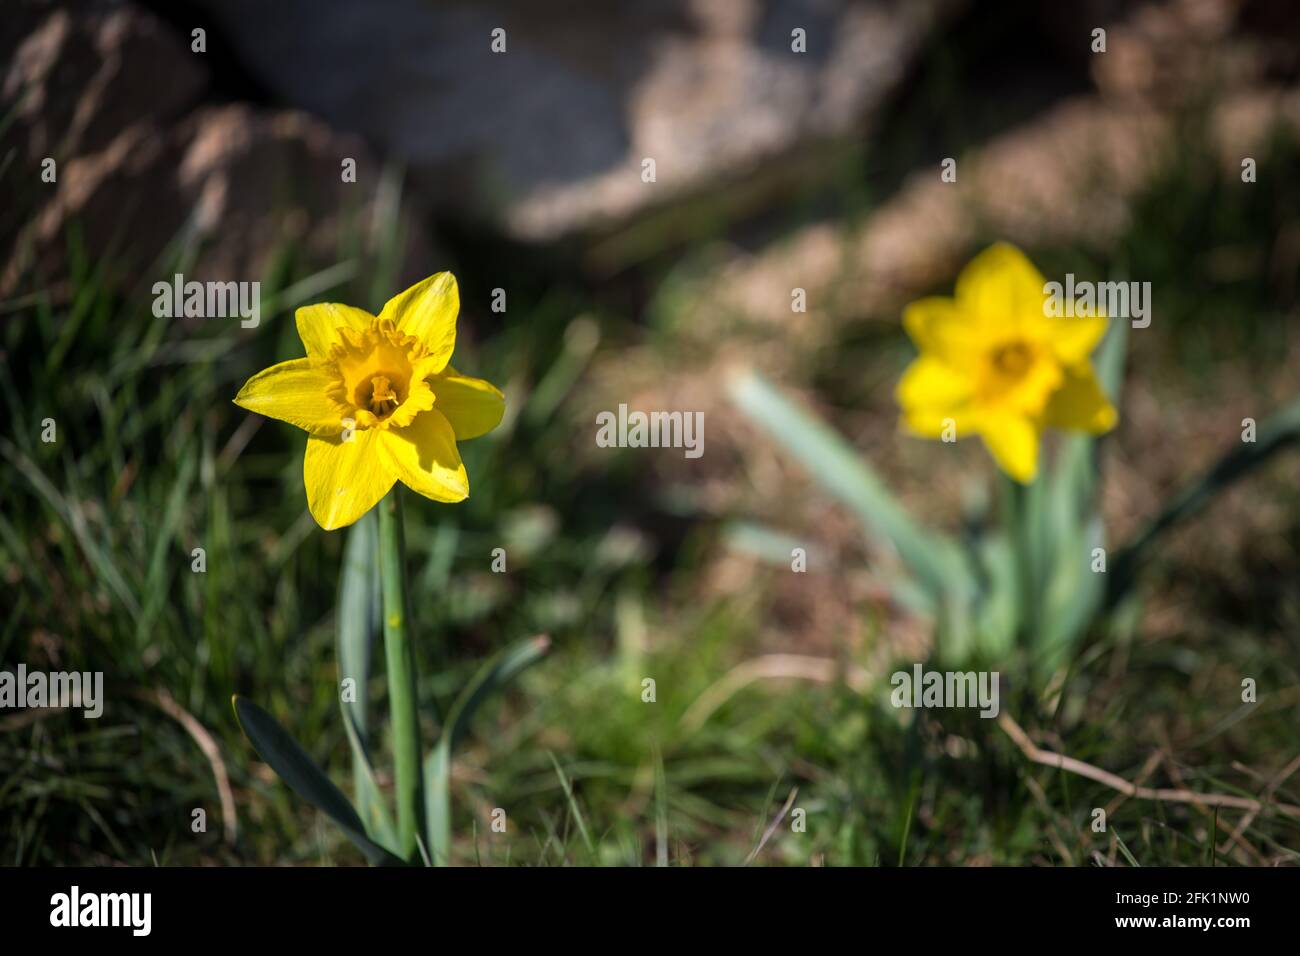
[[399, 653], [1022, 505]]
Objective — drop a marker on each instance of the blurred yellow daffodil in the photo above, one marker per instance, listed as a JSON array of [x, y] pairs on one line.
[[994, 364], [379, 400]]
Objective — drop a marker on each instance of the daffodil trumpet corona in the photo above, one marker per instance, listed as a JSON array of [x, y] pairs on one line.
[[380, 401], [994, 362]]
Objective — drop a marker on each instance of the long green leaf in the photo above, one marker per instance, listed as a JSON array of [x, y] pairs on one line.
[[491, 677], [358, 621], [1277, 432], [274, 745], [358, 614], [437, 765], [1073, 592], [837, 467], [374, 810], [935, 560], [998, 611]]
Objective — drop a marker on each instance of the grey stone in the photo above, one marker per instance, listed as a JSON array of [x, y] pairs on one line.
[[548, 137]]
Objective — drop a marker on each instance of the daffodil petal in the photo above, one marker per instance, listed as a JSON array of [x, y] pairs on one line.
[[423, 455], [1080, 403], [930, 382], [474, 406], [428, 311], [938, 327], [940, 423], [294, 392], [1001, 288], [1013, 443], [344, 479], [1072, 339], [318, 325]]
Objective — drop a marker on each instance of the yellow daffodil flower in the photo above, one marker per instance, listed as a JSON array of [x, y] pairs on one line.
[[379, 400], [994, 364]]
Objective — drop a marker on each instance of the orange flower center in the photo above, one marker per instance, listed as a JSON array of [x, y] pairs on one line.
[[378, 395], [380, 376], [1013, 360], [1019, 375]]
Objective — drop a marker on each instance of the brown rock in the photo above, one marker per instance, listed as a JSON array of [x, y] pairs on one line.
[[549, 137], [112, 95], [83, 74]]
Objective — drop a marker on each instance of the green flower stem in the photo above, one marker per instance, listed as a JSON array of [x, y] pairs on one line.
[[1021, 510], [399, 652]]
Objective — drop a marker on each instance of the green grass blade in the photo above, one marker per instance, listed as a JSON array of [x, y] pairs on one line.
[[1123, 849], [71, 515], [574, 809], [156, 590], [661, 810]]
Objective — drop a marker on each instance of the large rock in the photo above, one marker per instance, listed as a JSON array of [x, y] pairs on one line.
[[77, 74], [548, 137], [115, 97]]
